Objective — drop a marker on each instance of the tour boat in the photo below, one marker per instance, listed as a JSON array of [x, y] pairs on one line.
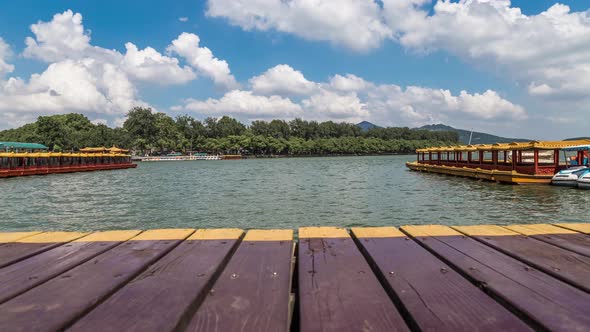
[[36, 160], [584, 180], [179, 157], [517, 163]]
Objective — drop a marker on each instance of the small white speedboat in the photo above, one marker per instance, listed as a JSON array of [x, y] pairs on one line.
[[569, 177], [584, 180]]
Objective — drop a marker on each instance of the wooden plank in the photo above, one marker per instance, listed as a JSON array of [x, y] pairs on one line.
[[160, 298], [28, 273], [557, 236], [13, 236], [56, 303], [337, 289], [28, 246], [564, 264], [253, 292], [578, 227], [436, 296], [548, 302]]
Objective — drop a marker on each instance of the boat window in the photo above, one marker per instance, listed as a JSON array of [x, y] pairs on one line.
[[487, 156], [443, 156], [426, 157], [546, 157], [475, 156], [4, 162]]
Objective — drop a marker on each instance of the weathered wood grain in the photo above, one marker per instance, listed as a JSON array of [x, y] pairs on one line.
[[28, 246], [253, 292], [58, 302], [161, 297], [564, 264], [28, 273], [337, 289], [435, 295], [546, 301], [557, 236]]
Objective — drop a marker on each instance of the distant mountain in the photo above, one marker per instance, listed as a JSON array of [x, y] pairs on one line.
[[366, 125], [477, 138], [576, 138]]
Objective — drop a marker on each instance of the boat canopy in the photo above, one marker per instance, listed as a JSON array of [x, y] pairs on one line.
[[94, 149], [578, 148], [534, 145], [102, 149], [21, 146]]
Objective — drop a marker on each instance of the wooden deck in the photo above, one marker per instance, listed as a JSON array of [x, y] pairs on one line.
[[415, 278]]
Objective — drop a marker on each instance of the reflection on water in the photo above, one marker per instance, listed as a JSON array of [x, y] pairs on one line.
[[281, 193]]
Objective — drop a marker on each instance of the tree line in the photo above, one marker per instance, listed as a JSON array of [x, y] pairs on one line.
[[148, 132]]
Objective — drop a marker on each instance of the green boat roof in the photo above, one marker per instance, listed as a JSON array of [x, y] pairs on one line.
[[19, 145]]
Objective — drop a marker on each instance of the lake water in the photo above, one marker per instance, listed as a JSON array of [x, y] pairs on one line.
[[275, 193]]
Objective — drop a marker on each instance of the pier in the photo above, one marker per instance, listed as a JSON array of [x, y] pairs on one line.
[[412, 278]]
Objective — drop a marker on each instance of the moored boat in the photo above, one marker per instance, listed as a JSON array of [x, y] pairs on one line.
[[584, 180], [516, 163], [578, 166], [568, 177], [20, 159]]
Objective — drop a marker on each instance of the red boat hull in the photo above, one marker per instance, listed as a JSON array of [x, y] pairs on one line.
[[5, 173]]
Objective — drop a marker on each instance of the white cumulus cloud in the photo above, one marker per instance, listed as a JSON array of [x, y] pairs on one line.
[[149, 65], [246, 105], [356, 24], [5, 52], [202, 59], [282, 79]]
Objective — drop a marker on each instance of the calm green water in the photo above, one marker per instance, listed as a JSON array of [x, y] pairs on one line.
[[275, 193]]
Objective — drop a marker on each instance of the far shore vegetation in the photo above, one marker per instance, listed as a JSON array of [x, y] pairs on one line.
[[148, 132]]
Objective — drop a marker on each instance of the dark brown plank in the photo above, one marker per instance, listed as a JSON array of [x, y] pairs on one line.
[[548, 302], [20, 249], [337, 289], [28, 273], [436, 296], [564, 264], [557, 236], [158, 298], [55, 304], [253, 292]]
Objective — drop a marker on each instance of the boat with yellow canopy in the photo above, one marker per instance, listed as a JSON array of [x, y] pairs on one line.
[[518, 163], [27, 159]]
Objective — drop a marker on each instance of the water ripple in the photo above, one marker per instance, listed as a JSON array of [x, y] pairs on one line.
[[282, 193]]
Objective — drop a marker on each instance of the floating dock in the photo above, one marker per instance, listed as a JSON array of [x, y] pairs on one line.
[[431, 277]]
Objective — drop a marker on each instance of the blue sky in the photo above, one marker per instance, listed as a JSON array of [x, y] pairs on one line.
[[447, 65]]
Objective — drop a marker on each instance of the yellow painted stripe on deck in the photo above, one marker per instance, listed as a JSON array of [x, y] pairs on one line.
[[539, 229], [430, 230], [217, 234], [52, 237], [109, 236], [163, 234], [578, 227], [13, 236], [484, 230], [322, 232], [269, 235], [376, 232]]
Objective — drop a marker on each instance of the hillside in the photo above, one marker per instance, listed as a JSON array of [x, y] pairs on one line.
[[478, 138]]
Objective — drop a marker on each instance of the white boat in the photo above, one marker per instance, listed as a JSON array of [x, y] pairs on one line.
[[584, 180], [568, 177], [179, 157]]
